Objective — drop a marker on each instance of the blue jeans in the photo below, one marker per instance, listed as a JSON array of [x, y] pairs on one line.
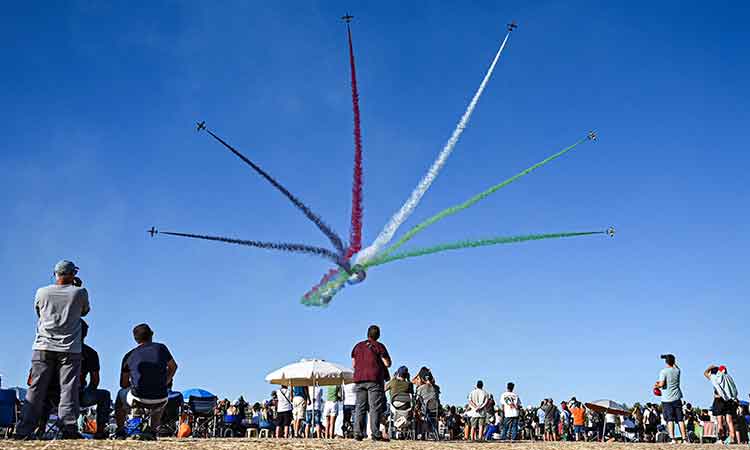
[[509, 423]]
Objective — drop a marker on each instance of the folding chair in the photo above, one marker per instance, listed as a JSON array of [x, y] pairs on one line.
[[202, 417], [8, 413]]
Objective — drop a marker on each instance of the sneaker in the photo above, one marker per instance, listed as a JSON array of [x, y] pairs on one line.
[[358, 438]]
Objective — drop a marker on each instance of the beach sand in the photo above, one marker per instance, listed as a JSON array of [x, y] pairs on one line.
[[298, 444]]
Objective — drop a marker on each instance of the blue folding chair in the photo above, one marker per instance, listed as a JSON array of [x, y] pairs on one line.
[[8, 413]]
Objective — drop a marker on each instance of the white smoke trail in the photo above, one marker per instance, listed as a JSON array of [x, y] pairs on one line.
[[400, 217]]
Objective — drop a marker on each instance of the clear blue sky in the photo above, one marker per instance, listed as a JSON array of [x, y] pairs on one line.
[[98, 145]]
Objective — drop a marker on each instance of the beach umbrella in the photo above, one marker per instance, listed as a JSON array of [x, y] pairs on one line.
[[311, 372], [197, 393]]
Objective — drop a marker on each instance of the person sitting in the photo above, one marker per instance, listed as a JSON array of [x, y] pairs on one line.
[[399, 384], [146, 373], [400, 391]]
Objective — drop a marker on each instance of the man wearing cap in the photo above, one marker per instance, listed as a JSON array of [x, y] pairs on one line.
[[145, 376], [56, 351], [671, 400]]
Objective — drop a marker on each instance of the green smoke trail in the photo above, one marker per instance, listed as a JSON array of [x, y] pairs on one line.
[[477, 198], [471, 244], [325, 293]]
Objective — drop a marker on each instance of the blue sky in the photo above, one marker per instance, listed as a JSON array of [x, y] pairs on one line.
[[100, 101]]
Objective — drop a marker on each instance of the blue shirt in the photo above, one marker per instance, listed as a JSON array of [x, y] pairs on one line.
[[147, 369], [671, 391]]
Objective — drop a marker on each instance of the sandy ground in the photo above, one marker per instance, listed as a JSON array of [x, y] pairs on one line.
[[264, 444]]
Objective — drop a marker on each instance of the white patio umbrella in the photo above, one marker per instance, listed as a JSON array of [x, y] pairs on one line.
[[311, 372], [608, 407]]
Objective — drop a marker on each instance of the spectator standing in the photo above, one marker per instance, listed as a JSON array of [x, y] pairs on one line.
[[300, 400], [314, 411], [651, 421], [725, 402], [331, 409], [511, 404], [371, 361], [57, 351], [478, 401], [283, 412], [671, 402], [551, 417], [579, 421], [350, 402], [566, 419]]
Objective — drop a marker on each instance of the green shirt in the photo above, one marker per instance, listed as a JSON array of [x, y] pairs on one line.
[[333, 394]]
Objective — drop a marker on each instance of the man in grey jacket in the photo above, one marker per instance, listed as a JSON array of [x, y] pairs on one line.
[[56, 350]]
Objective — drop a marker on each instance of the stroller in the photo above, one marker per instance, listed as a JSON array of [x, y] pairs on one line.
[[402, 409]]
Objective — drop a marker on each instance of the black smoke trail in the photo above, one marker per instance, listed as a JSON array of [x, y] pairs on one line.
[[282, 246], [332, 236]]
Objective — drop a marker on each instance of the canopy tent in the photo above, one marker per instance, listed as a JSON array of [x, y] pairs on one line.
[[607, 407], [311, 372]]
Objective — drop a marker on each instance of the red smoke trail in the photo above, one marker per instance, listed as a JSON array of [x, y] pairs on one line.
[[355, 234]]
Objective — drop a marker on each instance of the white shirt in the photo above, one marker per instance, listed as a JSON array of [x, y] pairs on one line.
[[478, 397], [350, 397], [511, 404], [283, 396]]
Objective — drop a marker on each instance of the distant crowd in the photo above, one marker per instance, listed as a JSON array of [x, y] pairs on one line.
[[65, 375]]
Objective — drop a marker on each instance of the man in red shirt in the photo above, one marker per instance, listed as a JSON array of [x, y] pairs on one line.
[[371, 361]]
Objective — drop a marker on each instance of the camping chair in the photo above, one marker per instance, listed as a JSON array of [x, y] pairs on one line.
[[202, 417], [142, 413], [402, 407], [8, 413]]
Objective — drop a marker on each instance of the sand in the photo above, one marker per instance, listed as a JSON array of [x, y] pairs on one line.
[[300, 444]]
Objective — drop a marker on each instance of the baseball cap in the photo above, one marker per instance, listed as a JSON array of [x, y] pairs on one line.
[[65, 267]]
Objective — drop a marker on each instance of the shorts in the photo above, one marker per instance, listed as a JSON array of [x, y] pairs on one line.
[[300, 405], [309, 417], [125, 400], [284, 419], [579, 429], [549, 427], [723, 407], [331, 409], [672, 411], [477, 422]]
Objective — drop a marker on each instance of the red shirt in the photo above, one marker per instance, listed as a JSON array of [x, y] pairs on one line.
[[367, 363]]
